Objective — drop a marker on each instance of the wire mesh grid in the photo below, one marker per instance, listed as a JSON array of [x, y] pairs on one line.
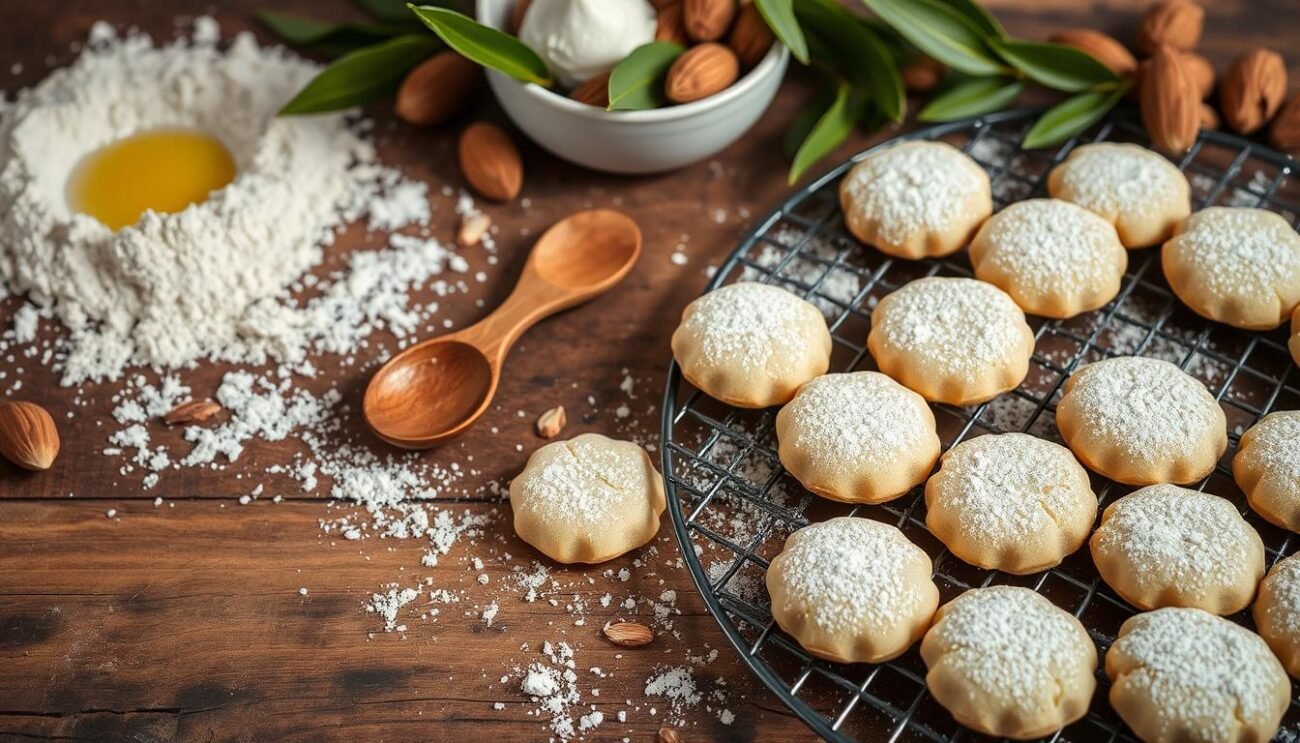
[[732, 504]]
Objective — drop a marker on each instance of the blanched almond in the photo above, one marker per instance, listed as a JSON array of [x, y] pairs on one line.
[[551, 423], [473, 227], [700, 72]]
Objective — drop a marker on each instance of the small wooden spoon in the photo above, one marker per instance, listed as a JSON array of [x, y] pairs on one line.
[[436, 389]]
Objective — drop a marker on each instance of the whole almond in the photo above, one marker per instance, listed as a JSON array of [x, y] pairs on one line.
[[437, 90], [28, 437], [922, 74], [629, 634], [669, 735], [700, 72], [594, 92], [1284, 134], [707, 20], [1209, 117], [1253, 90], [473, 226], [194, 411], [1201, 72], [1173, 23], [551, 423], [517, 15], [1103, 48], [1171, 108], [750, 37], [490, 161], [669, 25]]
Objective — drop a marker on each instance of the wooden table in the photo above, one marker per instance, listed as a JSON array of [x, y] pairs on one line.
[[186, 621]]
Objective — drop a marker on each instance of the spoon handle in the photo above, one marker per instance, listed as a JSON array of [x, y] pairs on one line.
[[532, 300]]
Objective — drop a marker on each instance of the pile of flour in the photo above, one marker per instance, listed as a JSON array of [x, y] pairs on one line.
[[206, 282]]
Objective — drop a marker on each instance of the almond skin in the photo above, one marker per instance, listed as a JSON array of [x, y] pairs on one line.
[[668, 735], [670, 26], [707, 20], [594, 92], [629, 634], [922, 74], [1201, 72], [194, 411], [1103, 48], [750, 37], [1253, 90], [1171, 108], [490, 161], [28, 436], [438, 90], [1172, 23], [699, 73], [1209, 117], [1284, 134]]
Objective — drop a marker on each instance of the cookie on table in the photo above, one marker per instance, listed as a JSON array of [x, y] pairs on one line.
[[956, 341], [1267, 468], [1186, 675], [1140, 192], [1295, 335], [1277, 612], [1235, 265], [1169, 546], [1142, 421], [857, 438], [916, 199], [852, 590], [1010, 502], [1007, 662], [1054, 258], [751, 345], [588, 499]]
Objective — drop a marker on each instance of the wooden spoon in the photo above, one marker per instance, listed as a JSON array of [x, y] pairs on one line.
[[436, 389]]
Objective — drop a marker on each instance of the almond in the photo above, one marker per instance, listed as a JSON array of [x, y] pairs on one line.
[[750, 37], [699, 73], [194, 411], [922, 74], [1252, 90], [28, 437], [707, 20], [517, 15], [549, 425], [1171, 108], [629, 634], [670, 26], [1103, 48], [1285, 132], [669, 735], [594, 92], [1172, 23], [1209, 117], [437, 90], [490, 161], [473, 226]]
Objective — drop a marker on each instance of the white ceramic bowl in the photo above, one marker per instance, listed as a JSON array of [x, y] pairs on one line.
[[634, 141]]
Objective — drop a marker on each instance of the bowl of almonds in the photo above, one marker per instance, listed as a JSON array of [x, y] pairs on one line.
[[691, 77]]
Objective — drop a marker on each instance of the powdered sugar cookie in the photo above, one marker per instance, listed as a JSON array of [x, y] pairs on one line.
[[588, 499], [1054, 258], [1169, 546], [916, 199], [1267, 468], [1185, 675], [1005, 661], [1141, 193], [1142, 421], [857, 438], [1010, 502], [852, 590], [958, 341], [1235, 265], [1277, 612], [751, 345]]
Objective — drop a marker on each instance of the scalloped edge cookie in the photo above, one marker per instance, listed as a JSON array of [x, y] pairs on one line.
[[1147, 217], [1277, 612], [1267, 473]]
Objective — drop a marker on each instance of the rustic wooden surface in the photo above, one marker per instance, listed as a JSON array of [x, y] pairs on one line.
[[186, 622]]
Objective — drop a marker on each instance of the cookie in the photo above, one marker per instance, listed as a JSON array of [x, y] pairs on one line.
[[1295, 335], [957, 341], [857, 438], [751, 345], [1169, 546], [1144, 195], [1010, 502], [1142, 421], [588, 499], [1054, 258], [1007, 662], [1277, 612], [1267, 468], [852, 590], [916, 199], [1186, 675], [1235, 265]]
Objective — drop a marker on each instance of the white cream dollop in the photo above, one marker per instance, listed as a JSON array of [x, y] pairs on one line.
[[580, 39]]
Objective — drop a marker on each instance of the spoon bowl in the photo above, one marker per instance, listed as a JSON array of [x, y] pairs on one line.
[[436, 389]]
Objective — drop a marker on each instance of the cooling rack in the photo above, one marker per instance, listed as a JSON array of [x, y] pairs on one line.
[[732, 504]]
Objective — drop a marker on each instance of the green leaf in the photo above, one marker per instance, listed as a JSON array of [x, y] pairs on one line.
[[779, 15], [1071, 116], [395, 11], [972, 97], [637, 83], [807, 118], [980, 16], [941, 32], [830, 131], [361, 76], [486, 46], [1055, 66], [857, 53], [329, 37]]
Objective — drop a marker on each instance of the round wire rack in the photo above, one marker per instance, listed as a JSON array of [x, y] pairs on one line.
[[732, 503]]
